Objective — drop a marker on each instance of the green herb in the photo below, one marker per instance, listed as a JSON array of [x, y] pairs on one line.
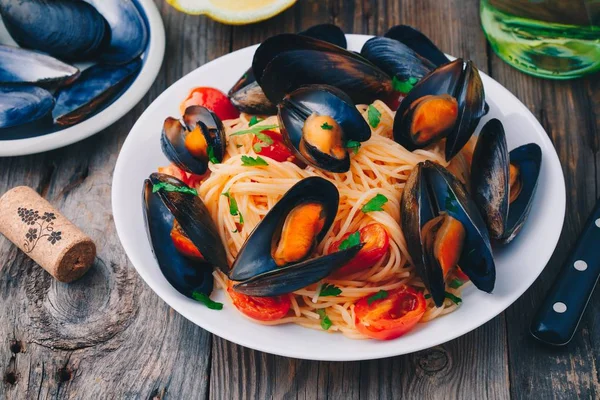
[[211, 155], [374, 116], [204, 299], [350, 241], [255, 130], [233, 207], [235, 231], [427, 296], [382, 294], [168, 187], [326, 126], [241, 218], [455, 299], [403, 86], [325, 321], [375, 204], [353, 145], [257, 147], [254, 120], [248, 161], [455, 283], [329, 290], [264, 141]]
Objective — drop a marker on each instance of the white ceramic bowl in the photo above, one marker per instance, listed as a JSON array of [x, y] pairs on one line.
[[152, 60], [518, 265]]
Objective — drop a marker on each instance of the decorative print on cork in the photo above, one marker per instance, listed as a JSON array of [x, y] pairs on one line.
[[41, 226]]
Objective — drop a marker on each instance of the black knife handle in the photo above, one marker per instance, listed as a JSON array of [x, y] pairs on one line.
[[557, 319]]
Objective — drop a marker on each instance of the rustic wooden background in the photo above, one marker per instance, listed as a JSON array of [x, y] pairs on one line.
[[110, 336]]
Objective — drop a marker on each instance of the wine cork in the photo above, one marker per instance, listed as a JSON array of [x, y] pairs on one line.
[[45, 235]]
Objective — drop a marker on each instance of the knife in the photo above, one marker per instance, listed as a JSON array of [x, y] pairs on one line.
[[557, 318]]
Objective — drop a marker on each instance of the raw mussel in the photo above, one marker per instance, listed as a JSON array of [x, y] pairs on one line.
[[317, 121], [447, 103], [275, 258], [195, 141], [443, 230], [184, 238], [23, 104], [503, 184]]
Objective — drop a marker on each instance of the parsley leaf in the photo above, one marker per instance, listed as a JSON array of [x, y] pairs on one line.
[[211, 155], [326, 126], [353, 145], [382, 294], [427, 296], [374, 116], [403, 86], [248, 161], [455, 283], [455, 299], [254, 120], [350, 241], [264, 141], [168, 187], [255, 129], [233, 207], [375, 204], [329, 290], [204, 299], [325, 321]]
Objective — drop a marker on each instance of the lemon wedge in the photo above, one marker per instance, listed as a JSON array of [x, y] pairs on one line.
[[233, 12]]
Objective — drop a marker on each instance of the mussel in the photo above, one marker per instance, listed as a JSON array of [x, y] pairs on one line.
[[317, 121], [67, 29], [23, 104], [191, 144], [94, 88], [275, 258], [503, 183], [418, 42], [443, 229], [447, 103]]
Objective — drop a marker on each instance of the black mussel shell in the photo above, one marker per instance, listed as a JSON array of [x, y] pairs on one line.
[[255, 258], [417, 41], [396, 59], [129, 34], [327, 32], [20, 66], [489, 177], [194, 219], [67, 29], [185, 275], [94, 88], [462, 82], [216, 132], [23, 104], [327, 101]]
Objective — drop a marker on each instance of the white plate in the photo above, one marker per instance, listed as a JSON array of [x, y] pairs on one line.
[[152, 60], [518, 265]]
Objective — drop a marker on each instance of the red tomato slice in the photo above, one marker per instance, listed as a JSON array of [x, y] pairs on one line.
[[261, 308], [213, 99], [277, 151], [189, 179], [392, 316], [461, 275], [376, 244], [183, 244]]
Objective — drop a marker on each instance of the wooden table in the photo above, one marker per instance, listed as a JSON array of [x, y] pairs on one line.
[[110, 336]]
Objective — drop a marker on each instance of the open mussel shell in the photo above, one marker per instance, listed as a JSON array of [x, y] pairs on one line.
[[456, 83], [418, 42], [21, 66], [194, 219], [430, 191], [96, 86], [313, 144], [67, 29], [20, 105], [129, 34]]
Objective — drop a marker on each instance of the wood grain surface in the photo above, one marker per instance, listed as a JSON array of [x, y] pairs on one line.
[[109, 336]]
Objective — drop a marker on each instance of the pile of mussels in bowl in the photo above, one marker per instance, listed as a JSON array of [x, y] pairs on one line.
[[75, 58]]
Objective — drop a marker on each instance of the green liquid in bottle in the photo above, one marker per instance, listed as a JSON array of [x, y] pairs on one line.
[[557, 39]]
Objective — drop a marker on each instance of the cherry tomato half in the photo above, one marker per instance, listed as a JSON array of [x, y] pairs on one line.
[[189, 179], [376, 244], [261, 308], [183, 244], [213, 99], [391, 316], [461, 275], [278, 151]]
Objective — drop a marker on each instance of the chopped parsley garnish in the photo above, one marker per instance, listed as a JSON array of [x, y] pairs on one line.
[[353, 145], [326, 126], [450, 296], [254, 120], [204, 299], [350, 241], [455, 283], [325, 321], [382, 294], [248, 161], [329, 290], [233, 207], [211, 155], [255, 130], [403, 86], [374, 116], [375, 204], [264, 141], [168, 187]]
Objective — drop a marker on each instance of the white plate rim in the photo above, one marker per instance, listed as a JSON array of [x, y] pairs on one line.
[[138, 88], [181, 304]]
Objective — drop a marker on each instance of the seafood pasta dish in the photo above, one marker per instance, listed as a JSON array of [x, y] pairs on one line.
[[338, 191]]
